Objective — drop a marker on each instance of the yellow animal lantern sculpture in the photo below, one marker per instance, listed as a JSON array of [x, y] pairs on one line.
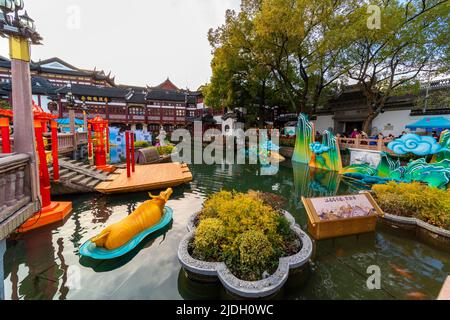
[[149, 214], [121, 238]]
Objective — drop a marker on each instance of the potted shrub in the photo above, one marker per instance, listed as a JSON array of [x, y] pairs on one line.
[[246, 241], [417, 207]]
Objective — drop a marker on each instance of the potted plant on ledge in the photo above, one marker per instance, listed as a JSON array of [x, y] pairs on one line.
[[247, 241]]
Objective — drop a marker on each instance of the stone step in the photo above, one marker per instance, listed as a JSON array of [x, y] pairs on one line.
[[63, 171], [86, 181], [93, 183], [78, 178], [68, 176]]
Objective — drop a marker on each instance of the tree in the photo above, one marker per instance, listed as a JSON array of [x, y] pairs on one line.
[[302, 50], [303, 43], [293, 48], [408, 44]]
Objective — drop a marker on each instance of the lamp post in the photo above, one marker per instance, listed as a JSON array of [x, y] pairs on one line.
[[85, 116], [20, 30], [70, 103]]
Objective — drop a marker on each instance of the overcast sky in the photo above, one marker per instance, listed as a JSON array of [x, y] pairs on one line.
[[140, 41]]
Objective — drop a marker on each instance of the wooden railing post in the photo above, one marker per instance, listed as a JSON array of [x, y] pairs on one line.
[[133, 160], [73, 132], [127, 152], [357, 141], [380, 144], [55, 150]]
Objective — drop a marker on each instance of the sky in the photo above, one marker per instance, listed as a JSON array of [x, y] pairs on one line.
[[142, 42]]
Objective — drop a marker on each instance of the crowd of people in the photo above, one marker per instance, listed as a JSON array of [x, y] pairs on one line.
[[380, 136]]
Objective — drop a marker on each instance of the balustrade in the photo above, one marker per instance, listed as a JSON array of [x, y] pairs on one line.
[[14, 191], [82, 137]]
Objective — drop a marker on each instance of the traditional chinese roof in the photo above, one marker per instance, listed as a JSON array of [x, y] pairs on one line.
[[39, 85], [166, 91], [166, 95], [167, 85], [92, 91], [58, 66], [133, 97]]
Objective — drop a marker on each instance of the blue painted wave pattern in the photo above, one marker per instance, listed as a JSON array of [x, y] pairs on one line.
[[415, 144], [319, 148]]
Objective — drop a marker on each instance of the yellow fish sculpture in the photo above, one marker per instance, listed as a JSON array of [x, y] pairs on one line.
[[147, 215]]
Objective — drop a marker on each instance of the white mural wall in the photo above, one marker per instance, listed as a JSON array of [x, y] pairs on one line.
[[390, 122]]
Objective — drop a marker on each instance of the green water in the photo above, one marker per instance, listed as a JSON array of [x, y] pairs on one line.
[[45, 264]]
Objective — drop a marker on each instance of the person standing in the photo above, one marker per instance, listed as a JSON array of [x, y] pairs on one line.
[[435, 136]]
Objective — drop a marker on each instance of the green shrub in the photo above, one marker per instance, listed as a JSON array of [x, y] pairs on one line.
[[141, 144], [416, 200], [5, 105], [209, 238], [242, 214], [165, 150], [255, 255]]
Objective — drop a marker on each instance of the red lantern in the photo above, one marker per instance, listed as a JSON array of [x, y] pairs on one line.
[[99, 142]]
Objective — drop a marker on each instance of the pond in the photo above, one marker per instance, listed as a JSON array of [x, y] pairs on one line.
[[44, 264]]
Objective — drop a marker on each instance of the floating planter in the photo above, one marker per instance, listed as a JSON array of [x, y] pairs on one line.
[[270, 283], [332, 217]]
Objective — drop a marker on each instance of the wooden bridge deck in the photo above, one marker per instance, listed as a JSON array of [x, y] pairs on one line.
[[146, 178]]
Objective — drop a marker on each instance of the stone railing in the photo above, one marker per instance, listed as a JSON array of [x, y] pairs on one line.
[[65, 142], [82, 138], [15, 192]]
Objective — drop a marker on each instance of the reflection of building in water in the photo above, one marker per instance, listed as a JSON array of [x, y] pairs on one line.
[[100, 210], [47, 274]]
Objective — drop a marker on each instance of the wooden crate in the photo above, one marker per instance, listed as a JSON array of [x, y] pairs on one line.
[[321, 229]]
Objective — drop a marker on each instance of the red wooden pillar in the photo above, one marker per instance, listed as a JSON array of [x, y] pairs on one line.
[[43, 168], [4, 127], [90, 142], [127, 146], [133, 160], [54, 128], [107, 140]]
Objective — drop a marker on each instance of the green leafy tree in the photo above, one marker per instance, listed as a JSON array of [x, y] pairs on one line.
[[407, 45], [280, 51]]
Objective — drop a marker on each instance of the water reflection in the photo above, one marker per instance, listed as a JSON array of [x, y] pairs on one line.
[[46, 269], [38, 265]]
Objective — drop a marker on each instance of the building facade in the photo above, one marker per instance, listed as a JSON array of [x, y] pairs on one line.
[[96, 93], [348, 110]]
